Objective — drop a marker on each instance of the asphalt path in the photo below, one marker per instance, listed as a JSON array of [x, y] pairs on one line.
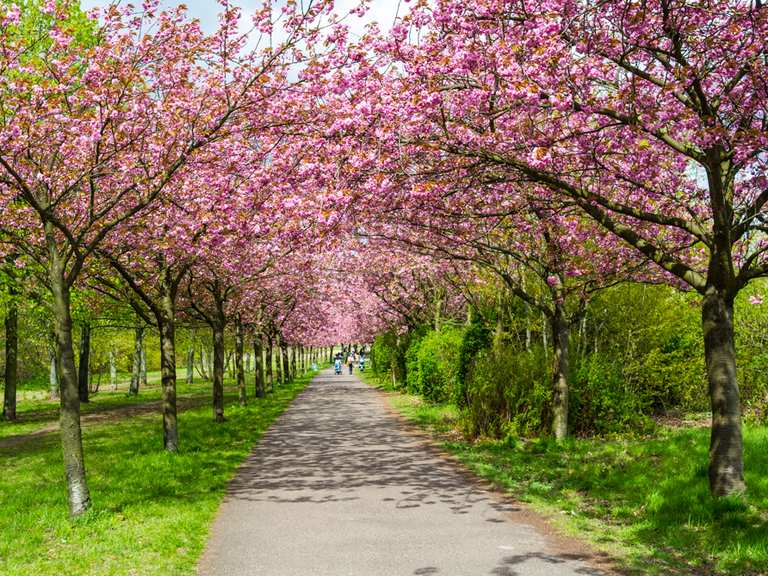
[[340, 487]]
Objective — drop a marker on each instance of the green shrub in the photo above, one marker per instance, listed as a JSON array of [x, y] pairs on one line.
[[437, 361]]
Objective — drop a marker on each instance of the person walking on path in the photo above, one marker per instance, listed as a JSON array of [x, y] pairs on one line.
[[350, 362]]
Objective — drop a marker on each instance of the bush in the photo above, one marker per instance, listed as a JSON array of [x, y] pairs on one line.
[[432, 362]]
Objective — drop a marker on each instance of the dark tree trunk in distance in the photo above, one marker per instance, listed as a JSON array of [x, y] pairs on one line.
[[269, 367], [11, 361], [218, 371], [258, 366], [240, 372], [85, 360], [138, 346]]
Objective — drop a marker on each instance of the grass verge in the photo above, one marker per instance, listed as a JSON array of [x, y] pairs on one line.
[[645, 501], [152, 510]]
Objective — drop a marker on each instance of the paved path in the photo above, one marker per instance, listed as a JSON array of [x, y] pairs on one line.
[[337, 487]]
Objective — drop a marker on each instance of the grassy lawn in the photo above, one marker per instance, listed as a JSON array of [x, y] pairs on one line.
[[645, 501], [36, 411], [152, 510]]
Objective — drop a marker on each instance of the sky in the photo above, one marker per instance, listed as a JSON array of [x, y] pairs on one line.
[[381, 11]]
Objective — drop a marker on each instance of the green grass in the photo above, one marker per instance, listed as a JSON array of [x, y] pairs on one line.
[[643, 500], [152, 510], [35, 412]]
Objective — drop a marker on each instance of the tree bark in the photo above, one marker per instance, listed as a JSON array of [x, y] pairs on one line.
[[726, 465], [11, 361], [53, 371], [112, 370], [218, 371], [269, 362], [143, 366], [203, 362], [294, 363], [239, 351], [83, 371], [71, 434], [191, 364], [167, 324], [258, 366], [286, 362], [278, 361], [560, 362], [138, 345]]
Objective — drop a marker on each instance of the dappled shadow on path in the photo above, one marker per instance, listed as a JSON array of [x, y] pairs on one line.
[[319, 453], [337, 473]]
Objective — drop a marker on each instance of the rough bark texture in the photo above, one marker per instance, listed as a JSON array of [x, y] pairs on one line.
[[167, 325], [138, 345], [239, 351], [726, 466], [83, 371], [71, 434], [218, 372], [258, 366], [11, 362], [560, 360]]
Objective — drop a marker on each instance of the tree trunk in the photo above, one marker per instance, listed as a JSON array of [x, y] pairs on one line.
[[726, 465], [239, 351], [138, 346], [191, 364], [143, 366], [560, 343], [167, 325], [278, 362], [83, 371], [71, 434], [247, 360], [218, 371], [269, 362], [203, 362], [53, 371], [294, 364], [112, 370], [258, 366], [11, 361], [286, 362]]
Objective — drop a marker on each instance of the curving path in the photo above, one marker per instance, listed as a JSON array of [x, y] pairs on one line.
[[338, 487]]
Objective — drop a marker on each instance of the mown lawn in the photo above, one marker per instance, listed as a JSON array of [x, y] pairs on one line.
[[646, 501], [152, 510]]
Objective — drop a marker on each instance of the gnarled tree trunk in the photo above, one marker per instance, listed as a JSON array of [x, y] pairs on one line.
[[560, 361], [71, 434], [726, 465], [167, 325]]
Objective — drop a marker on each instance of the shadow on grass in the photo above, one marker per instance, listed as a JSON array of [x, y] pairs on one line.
[[151, 509], [649, 495]]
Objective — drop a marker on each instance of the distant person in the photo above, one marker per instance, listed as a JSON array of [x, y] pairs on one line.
[[350, 362]]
